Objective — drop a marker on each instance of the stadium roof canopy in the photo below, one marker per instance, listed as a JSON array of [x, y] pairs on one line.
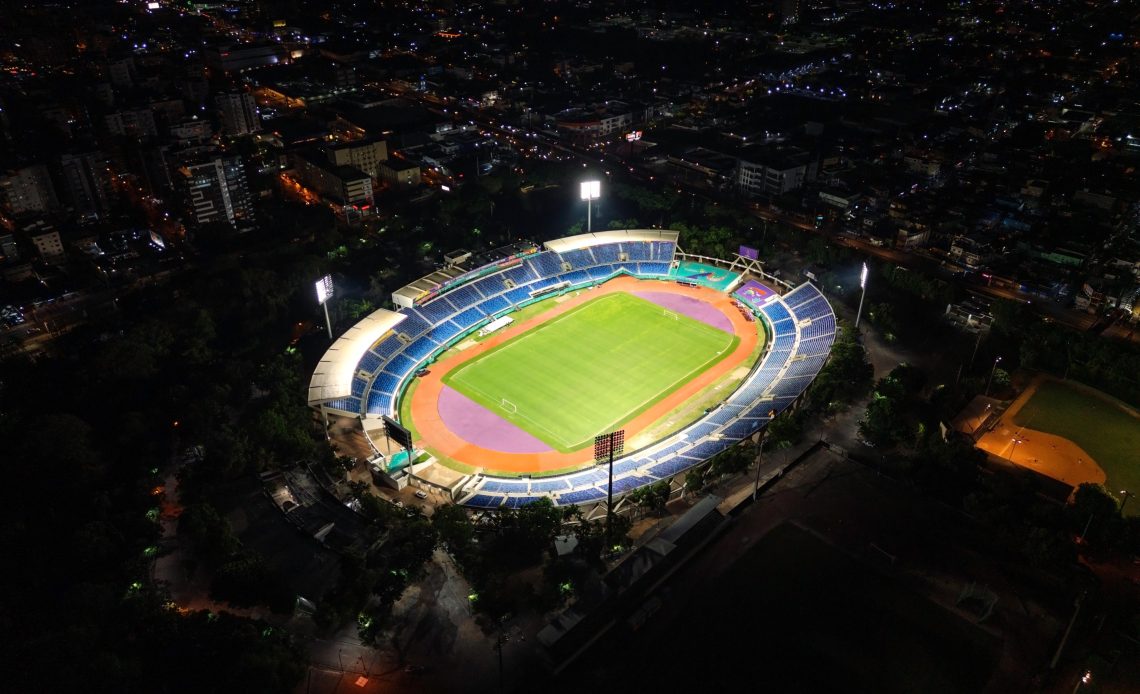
[[407, 294], [333, 375], [571, 243]]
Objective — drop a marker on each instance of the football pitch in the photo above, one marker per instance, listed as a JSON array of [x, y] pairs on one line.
[[591, 369]]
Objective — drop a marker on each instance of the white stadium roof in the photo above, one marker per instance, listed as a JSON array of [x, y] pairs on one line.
[[333, 376], [572, 243]]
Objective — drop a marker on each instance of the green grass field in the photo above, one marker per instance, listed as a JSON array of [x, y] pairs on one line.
[[1109, 434], [591, 369]]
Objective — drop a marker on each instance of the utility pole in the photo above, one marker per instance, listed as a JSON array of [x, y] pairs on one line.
[[760, 458]]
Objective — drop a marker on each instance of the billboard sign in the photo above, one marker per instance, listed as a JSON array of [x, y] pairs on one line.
[[749, 252], [397, 432]]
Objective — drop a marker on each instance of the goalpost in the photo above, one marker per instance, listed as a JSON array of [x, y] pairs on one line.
[[670, 314], [508, 406]]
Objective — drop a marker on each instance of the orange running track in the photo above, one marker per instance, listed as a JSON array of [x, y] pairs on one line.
[[437, 436]]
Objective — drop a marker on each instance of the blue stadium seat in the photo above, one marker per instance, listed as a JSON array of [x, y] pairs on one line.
[[463, 296], [579, 258], [504, 485], [606, 253], [738, 430], [516, 501], [545, 264], [401, 365], [555, 484], [469, 317], [601, 271], [379, 403], [490, 286], [653, 268], [638, 250], [435, 311], [484, 501], [707, 449], [494, 305], [388, 348], [414, 325], [577, 277], [518, 275], [630, 483], [662, 250], [386, 383], [345, 404], [580, 496], [670, 467], [444, 332], [369, 362], [420, 349], [775, 311], [699, 431]]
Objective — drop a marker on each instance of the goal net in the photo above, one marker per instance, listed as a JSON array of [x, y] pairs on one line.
[[670, 314], [508, 406]]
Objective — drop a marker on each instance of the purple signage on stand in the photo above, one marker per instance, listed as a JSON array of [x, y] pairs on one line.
[[750, 253]]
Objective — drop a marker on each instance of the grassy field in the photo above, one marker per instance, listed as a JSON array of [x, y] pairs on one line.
[[1100, 426], [592, 368]]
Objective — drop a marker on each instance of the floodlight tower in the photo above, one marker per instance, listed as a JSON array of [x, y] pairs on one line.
[[863, 294], [591, 191], [324, 293], [606, 447]]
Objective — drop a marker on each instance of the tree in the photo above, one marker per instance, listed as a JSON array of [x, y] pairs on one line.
[[454, 528], [1095, 508], [210, 533], [695, 479], [652, 497]]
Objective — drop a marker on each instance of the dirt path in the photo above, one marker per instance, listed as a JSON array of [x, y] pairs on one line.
[[436, 435]]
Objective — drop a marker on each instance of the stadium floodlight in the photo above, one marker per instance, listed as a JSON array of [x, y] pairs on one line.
[[590, 191], [324, 293], [863, 294], [1124, 494], [606, 447]]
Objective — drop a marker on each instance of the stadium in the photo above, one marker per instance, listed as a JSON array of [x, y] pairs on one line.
[[501, 370]]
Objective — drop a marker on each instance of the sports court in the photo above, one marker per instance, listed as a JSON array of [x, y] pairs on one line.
[[592, 368], [1072, 433]]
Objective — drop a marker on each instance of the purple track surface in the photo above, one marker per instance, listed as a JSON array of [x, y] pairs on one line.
[[478, 425], [687, 305]]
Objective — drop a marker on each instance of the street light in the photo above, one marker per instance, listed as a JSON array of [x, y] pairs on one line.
[[991, 378], [590, 191], [863, 294], [1124, 493], [1016, 441]]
